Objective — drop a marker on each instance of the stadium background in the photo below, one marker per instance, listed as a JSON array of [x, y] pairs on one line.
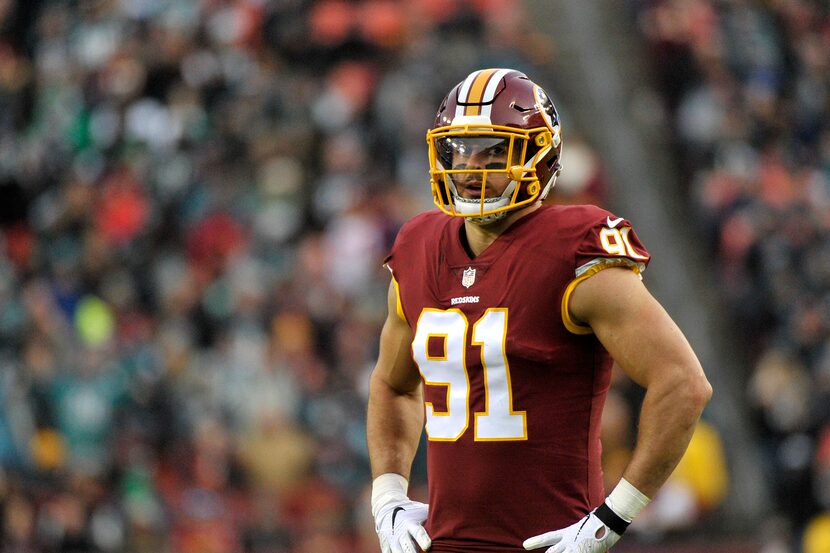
[[195, 197]]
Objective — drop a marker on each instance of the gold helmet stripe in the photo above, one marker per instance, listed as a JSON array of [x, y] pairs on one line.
[[478, 88], [477, 91]]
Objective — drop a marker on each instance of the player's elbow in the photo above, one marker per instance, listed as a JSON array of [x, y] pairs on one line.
[[684, 390], [696, 391]]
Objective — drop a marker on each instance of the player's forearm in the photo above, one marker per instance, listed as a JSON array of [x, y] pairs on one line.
[[668, 417], [393, 429]]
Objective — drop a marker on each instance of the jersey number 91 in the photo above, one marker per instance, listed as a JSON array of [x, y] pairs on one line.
[[448, 367]]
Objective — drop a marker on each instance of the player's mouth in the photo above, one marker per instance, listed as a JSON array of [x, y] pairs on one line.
[[473, 190]]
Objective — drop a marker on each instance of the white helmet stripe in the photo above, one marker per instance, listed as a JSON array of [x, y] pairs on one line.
[[490, 92], [464, 91], [478, 88]]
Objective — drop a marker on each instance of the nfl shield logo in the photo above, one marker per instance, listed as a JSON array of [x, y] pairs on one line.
[[469, 277]]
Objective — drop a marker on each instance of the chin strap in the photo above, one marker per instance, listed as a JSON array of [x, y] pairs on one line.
[[485, 220], [467, 206]]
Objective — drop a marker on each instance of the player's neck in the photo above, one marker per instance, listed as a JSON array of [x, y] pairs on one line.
[[480, 237]]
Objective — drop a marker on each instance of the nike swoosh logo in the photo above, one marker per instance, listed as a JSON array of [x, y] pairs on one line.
[[584, 521], [613, 223], [395, 513]]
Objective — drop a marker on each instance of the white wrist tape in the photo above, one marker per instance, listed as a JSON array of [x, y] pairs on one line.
[[626, 500], [388, 487]]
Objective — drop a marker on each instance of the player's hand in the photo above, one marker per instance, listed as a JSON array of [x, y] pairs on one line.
[[399, 525], [589, 535]]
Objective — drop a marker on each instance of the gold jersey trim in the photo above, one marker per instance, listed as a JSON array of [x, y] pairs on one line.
[[584, 273], [398, 302]]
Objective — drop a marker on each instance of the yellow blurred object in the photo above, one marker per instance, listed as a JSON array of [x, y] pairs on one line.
[[703, 467], [47, 448], [817, 534], [95, 321]]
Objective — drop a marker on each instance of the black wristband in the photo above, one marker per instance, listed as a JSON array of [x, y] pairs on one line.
[[611, 519]]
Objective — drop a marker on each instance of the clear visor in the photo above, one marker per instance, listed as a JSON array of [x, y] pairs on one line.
[[476, 153]]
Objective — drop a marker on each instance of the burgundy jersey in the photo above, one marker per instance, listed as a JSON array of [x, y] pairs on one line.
[[513, 388]]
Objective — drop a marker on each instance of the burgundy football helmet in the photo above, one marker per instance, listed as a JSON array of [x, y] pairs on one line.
[[495, 128]]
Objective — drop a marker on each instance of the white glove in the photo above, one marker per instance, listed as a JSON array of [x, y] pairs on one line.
[[589, 535], [399, 525], [398, 520], [600, 529]]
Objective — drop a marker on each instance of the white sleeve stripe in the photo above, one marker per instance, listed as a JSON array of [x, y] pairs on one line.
[[625, 261]]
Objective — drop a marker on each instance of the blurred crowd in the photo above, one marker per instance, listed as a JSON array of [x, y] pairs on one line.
[[195, 201], [747, 87]]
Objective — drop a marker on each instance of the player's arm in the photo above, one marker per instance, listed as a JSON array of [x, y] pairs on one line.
[[395, 419], [396, 414], [651, 349]]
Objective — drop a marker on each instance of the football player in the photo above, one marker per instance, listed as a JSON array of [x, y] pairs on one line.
[[505, 316]]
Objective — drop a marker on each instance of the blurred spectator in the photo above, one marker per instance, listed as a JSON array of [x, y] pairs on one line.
[[747, 85]]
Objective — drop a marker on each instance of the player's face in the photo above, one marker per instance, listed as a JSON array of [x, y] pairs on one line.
[[482, 162]]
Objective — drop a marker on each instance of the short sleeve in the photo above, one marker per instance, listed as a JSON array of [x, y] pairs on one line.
[[609, 242]]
